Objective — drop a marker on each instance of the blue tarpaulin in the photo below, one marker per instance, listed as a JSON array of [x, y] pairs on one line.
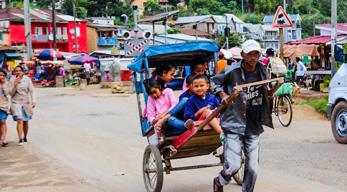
[[136, 65], [12, 55]]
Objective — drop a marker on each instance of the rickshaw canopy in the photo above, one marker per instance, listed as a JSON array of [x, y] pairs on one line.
[[168, 52]]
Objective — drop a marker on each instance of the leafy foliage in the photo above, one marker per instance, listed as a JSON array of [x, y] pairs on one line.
[[174, 31], [233, 40], [318, 104], [252, 18], [152, 7]]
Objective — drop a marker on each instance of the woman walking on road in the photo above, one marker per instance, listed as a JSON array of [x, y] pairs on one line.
[[3, 106], [21, 109]]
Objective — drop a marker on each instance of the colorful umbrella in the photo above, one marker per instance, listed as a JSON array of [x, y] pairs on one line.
[[48, 54], [83, 59], [236, 51]]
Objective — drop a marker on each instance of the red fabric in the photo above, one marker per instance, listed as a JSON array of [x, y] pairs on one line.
[[265, 61]]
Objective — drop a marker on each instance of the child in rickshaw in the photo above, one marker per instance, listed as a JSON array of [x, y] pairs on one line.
[[161, 106], [197, 67], [165, 71], [200, 105]]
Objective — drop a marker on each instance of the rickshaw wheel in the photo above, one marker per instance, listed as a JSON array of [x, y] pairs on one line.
[[238, 177], [152, 169]]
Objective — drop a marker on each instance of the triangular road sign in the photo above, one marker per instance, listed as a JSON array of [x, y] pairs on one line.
[[281, 19]]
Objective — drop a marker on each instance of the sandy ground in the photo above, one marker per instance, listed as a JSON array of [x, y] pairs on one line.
[[27, 169], [298, 158]]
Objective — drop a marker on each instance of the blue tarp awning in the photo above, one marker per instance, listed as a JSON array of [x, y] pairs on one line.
[[136, 65], [12, 55]]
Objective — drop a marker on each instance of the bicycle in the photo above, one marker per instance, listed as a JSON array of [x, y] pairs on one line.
[[283, 106]]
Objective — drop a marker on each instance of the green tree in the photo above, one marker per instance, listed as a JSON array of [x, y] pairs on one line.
[[233, 40], [174, 2], [152, 7], [174, 31], [213, 6], [44, 3], [81, 11], [252, 18], [202, 11]]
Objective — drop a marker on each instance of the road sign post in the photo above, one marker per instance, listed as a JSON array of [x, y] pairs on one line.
[[281, 21]]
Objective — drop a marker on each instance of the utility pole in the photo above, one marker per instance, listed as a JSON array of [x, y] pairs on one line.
[[74, 22], [242, 7], [226, 37], [165, 24], [285, 29], [54, 26], [333, 36], [136, 29], [27, 23]]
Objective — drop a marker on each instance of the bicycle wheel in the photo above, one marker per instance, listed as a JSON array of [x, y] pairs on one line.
[[284, 110]]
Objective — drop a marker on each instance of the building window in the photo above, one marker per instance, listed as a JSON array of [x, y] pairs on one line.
[[47, 30], [64, 30], [78, 33], [38, 30]]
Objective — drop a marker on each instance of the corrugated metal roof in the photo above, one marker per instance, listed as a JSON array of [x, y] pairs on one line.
[[192, 19], [159, 17], [340, 26], [45, 15], [252, 27], [236, 19], [314, 40], [160, 29], [184, 37], [219, 18], [12, 55]]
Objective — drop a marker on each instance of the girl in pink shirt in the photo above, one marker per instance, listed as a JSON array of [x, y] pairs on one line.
[[159, 104]]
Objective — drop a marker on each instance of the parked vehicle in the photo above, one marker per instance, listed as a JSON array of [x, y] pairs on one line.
[[337, 106]]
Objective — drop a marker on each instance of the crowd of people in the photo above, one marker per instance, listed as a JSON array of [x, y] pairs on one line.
[[17, 98]]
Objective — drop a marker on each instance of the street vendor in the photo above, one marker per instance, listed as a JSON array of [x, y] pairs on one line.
[[243, 119], [87, 70]]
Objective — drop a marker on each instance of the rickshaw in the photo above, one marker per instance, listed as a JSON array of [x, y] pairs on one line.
[[201, 139]]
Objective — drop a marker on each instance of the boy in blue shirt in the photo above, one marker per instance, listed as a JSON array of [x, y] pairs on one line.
[[200, 105], [189, 91]]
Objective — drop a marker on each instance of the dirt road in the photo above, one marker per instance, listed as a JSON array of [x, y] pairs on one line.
[[91, 141]]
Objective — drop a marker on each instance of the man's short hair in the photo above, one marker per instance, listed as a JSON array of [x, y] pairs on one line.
[[200, 76], [297, 58], [221, 56]]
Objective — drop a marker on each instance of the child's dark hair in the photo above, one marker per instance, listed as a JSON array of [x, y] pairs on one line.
[[161, 68], [3, 71], [21, 68], [200, 76], [221, 56], [189, 79], [195, 62], [229, 62], [154, 81]]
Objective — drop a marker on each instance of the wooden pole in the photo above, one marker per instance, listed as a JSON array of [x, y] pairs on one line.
[[236, 92], [281, 44]]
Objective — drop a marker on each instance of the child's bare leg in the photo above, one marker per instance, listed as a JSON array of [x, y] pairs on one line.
[[158, 125], [214, 123]]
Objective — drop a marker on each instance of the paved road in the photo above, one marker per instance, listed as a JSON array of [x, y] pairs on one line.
[[94, 138]]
